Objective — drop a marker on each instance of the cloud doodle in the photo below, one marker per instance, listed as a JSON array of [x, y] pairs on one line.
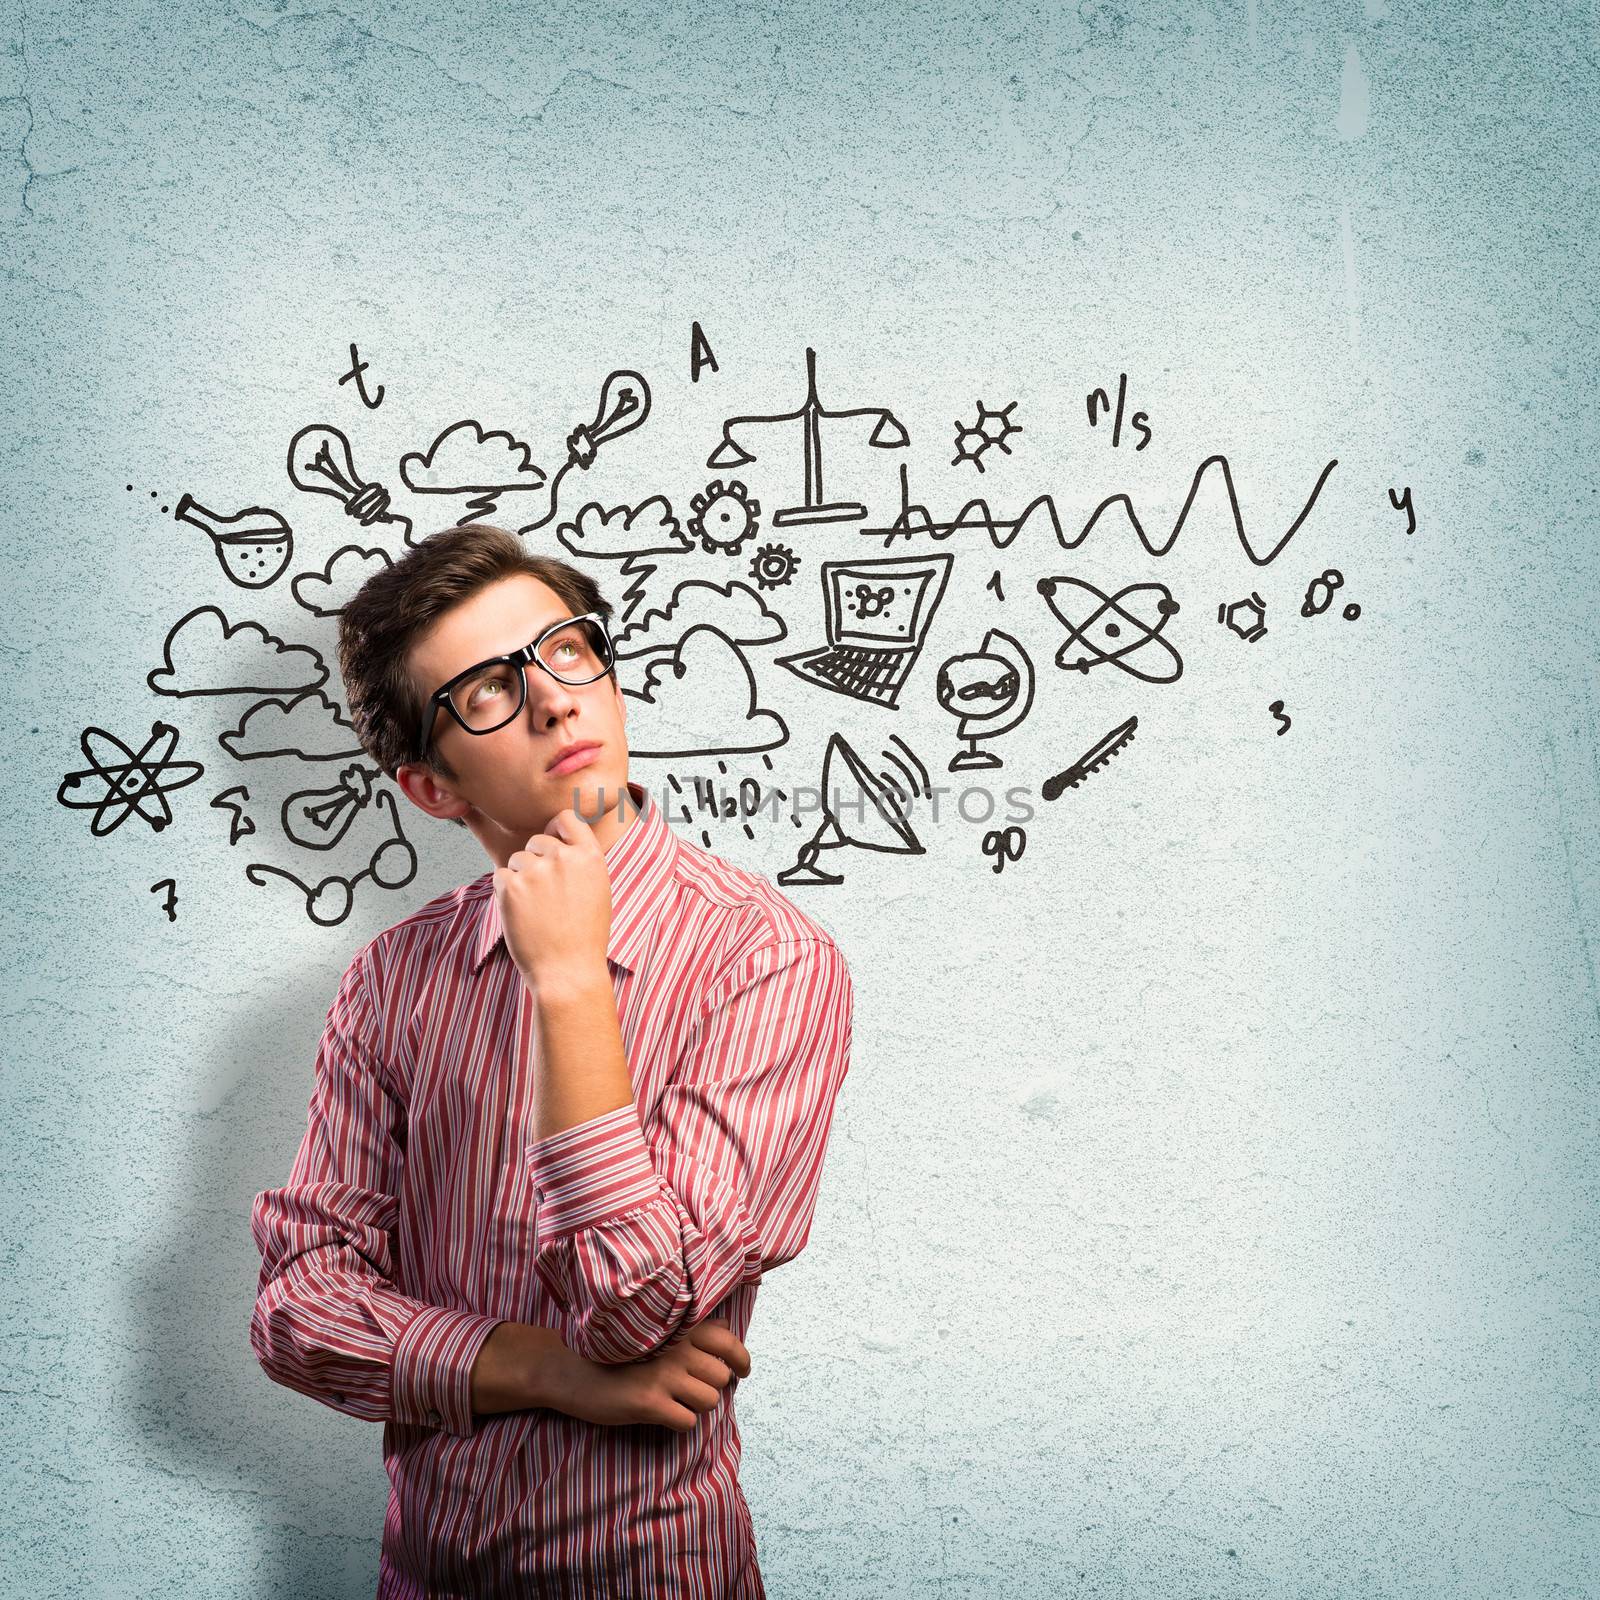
[[702, 701], [311, 726], [327, 593], [206, 654], [647, 529], [733, 608]]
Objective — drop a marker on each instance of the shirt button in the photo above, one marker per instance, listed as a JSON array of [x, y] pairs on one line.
[[434, 1419], [338, 1397]]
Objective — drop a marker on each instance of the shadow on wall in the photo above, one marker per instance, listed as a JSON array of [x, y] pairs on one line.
[[300, 1487]]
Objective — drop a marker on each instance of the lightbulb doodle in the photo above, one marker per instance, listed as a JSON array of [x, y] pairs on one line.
[[331, 899], [1122, 630], [623, 405], [321, 462], [137, 784], [320, 818]]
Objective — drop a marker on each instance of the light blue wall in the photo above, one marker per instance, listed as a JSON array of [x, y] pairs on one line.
[[1210, 1208]]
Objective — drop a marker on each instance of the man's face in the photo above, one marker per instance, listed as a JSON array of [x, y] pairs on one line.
[[504, 777]]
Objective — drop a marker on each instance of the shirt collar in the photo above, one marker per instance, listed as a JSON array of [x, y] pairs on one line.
[[639, 862]]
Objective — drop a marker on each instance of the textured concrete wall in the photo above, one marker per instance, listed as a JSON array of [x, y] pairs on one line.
[[1210, 1207]]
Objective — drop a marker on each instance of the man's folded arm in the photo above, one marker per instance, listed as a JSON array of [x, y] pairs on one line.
[[642, 1232], [328, 1319]]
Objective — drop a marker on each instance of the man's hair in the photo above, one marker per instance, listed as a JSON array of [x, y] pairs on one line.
[[395, 607]]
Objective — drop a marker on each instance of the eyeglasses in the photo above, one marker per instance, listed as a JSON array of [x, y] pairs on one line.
[[574, 650]]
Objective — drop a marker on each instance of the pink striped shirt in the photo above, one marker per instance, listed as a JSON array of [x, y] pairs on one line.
[[420, 1212]]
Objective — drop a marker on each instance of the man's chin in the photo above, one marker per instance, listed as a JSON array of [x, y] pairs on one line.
[[590, 799]]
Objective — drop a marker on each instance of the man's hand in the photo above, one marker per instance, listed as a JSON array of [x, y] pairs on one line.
[[520, 1366], [554, 896], [670, 1388]]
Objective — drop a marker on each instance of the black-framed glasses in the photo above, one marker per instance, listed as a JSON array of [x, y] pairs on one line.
[[573, 650]]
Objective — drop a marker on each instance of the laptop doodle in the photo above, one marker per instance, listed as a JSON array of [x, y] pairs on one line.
[[878, 613]]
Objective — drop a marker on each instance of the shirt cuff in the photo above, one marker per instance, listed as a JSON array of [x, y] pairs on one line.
[[431, 1374], [591, 1171]]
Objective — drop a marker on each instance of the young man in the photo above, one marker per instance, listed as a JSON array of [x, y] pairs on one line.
[[564, 1119]]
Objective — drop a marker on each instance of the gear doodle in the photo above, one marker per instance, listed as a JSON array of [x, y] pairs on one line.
[[773, 566], [132, 784], [870, 601], [725, 516], [991, 428]]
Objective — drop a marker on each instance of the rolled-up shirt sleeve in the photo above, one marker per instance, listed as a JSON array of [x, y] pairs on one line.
[[329, 1320], [644, 1228]]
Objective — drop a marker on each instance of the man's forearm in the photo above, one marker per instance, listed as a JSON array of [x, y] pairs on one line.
[[582, 1068], [519, 1365]]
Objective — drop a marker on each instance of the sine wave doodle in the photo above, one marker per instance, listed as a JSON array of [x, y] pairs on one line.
[[976, 514]]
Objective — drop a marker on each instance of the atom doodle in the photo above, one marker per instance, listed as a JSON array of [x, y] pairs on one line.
[[131, 784], [1112, 632]]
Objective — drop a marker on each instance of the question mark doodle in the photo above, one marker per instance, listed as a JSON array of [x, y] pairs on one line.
[[1004, 844], [1276, 708]]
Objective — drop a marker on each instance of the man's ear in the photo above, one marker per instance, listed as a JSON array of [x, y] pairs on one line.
[[424, 788]]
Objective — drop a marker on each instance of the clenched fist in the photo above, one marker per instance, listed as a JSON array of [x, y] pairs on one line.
[[554, 896]]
